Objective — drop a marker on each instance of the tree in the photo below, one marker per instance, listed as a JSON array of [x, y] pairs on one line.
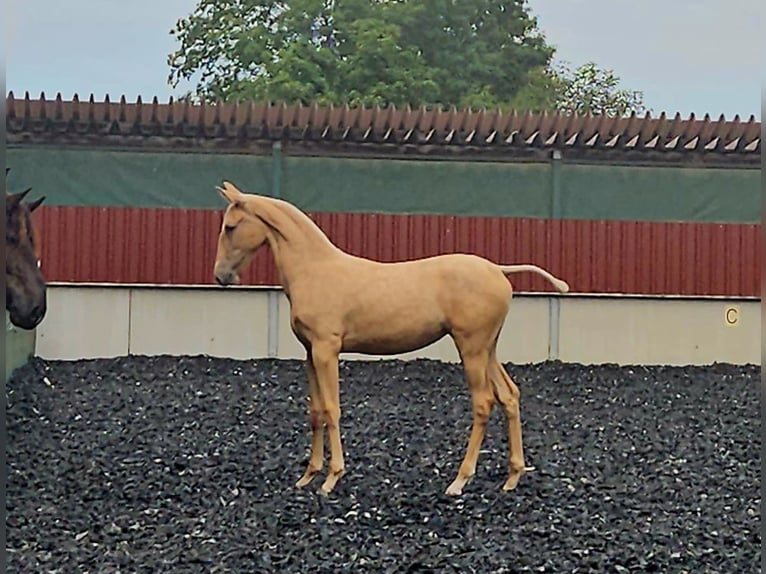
[[466, 53], [446, 52], [590, 89], [543, 91]]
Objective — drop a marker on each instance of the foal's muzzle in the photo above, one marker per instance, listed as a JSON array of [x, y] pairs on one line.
[[226, 278]]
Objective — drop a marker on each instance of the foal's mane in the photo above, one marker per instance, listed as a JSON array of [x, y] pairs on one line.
[[295, 215]]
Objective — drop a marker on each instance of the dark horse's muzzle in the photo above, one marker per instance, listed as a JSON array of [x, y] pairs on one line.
[[27, 306], [28, 315]]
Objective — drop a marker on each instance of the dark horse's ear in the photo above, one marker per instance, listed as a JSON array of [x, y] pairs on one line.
[[23, 194], [14, 199], [36, 203]]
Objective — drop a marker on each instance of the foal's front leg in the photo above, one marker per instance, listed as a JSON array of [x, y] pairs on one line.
[[316, 421], [325, 357]]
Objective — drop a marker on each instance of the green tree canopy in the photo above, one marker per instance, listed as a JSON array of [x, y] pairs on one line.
[[477, 53], [586, 89], [590, 89], [467, 52]]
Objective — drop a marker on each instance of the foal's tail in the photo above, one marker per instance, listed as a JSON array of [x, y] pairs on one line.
[[559, 284]]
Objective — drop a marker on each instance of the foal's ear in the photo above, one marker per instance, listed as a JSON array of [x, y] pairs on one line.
[[229, 192], [222, 193]]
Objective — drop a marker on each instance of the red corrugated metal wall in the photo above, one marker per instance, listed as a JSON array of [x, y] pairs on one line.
[[175, 246]]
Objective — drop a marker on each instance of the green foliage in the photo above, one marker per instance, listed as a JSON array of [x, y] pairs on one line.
[[542, 91], [464, 53], [467, 52], [589, 89]]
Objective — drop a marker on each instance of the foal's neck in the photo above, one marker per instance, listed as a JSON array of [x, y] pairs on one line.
[[295, 240]]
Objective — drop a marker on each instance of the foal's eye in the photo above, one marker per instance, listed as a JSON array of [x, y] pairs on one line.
[[230, 228]]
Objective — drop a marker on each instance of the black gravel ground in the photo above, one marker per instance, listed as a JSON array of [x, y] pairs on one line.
[[188, 464]]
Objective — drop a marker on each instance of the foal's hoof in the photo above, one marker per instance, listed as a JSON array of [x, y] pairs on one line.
[[304, 481], [330, 482], [456, 488], [514, 477], [307, 477]]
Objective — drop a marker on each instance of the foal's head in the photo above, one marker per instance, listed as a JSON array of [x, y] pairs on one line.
[[241, 235], [25, 298]]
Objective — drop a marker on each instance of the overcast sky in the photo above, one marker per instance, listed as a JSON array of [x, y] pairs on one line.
[[698, 56]]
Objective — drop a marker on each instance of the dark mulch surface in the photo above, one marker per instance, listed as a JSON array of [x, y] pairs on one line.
[[188, 465]]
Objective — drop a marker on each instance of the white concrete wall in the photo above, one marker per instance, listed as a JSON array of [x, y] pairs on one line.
[[659, 331], [89, 322], [84, 323], [198, 322]]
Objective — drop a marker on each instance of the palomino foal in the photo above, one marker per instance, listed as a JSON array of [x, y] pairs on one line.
[[342, 303]]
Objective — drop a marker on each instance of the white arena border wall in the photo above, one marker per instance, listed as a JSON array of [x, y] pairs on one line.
[[87, 321]]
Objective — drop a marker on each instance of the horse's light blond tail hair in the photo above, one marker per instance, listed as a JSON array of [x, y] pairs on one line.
[[559, 284]]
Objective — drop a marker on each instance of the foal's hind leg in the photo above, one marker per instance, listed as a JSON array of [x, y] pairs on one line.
[[507, 394], [316, 421], [482, 401]]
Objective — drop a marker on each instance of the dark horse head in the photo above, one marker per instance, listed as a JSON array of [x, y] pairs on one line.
[[25, 297]]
